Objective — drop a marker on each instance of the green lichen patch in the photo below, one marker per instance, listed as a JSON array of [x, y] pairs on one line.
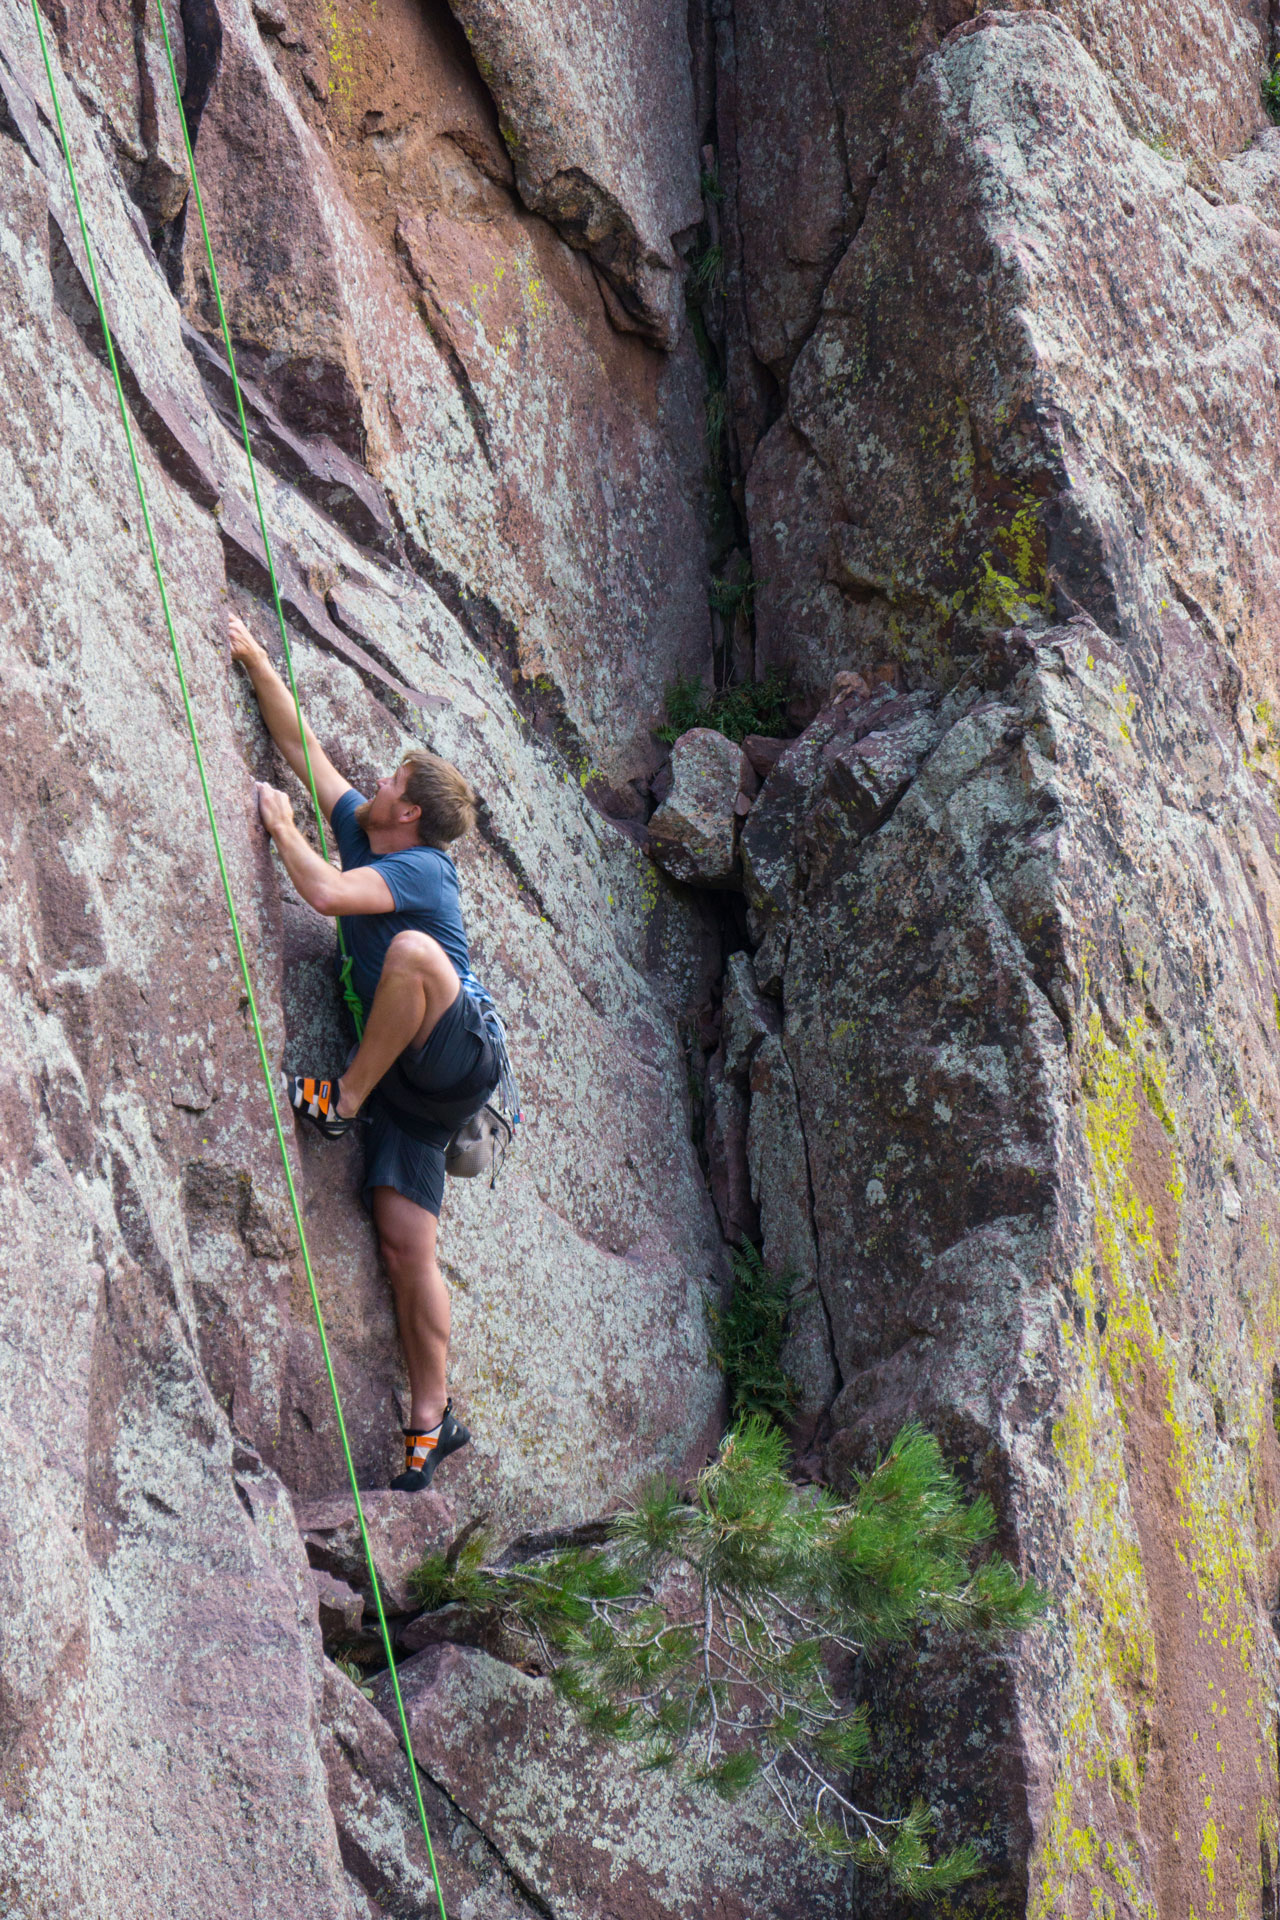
[[1162, 1603]]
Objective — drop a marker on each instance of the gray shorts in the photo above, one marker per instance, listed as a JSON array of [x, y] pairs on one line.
[[421, 1103]]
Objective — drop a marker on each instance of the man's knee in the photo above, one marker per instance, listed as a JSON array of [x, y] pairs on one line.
[[406, 1233], [416, 953], [403, 1254]]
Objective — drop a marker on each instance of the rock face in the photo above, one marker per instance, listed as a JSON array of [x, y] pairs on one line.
[[980, 987], [167, 1383], [386, 283], [573, 87], [1020, 929], [514, 1760]]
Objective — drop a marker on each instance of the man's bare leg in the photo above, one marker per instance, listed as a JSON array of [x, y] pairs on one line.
[[418, 984], [407, 1237]]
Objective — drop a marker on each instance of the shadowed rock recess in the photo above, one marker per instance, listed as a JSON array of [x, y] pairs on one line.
[[962, 1002]]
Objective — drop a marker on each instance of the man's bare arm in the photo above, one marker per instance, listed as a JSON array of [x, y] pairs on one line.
[[278, 711], [363, 890]]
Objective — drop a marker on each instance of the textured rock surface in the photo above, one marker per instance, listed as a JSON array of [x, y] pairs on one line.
[[1026, 968], [377, 1825], [991, 1068], [575, 85], [600, 1842], [402, 1528], [166, 1376], [693, 836], [941, 491], [384, 279]]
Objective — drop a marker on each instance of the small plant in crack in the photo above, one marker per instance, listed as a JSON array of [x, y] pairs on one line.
[[710, 184], [757, 706], [717, 417], [732, 591], [355, 1674], [711, 1629], [705, 273], [748, 1332], [1271, 91]]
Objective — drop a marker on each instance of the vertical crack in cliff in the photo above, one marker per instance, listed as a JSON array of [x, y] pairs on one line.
[[511, 1873], [202, 48], [819, 1286], [202, 36], [837, 108]]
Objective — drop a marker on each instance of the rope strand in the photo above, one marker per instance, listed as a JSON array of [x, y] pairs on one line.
[[354, 1004], [255, 1020]]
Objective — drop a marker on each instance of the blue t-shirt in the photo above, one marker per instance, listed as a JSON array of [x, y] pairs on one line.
[[424, 886]]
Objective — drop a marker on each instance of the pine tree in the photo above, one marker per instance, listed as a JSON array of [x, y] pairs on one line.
[[702, 1630]]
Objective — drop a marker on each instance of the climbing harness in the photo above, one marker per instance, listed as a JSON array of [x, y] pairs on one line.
[[507, 1090], [251, 997]]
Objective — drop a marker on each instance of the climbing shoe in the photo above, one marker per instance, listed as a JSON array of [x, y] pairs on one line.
[[317, 1101], [423, 1452]]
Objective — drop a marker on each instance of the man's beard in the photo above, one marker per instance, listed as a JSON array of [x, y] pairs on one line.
[[361, 815]]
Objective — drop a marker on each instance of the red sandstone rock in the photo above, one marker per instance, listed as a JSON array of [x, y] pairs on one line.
[[1017, 1098], [574, 86], [403, 1528], [156, 1241], [340, 1607], [601, 1842], [393, 296]]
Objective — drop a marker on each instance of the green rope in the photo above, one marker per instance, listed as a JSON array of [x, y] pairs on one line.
[[354, 1004], [265, 1064]]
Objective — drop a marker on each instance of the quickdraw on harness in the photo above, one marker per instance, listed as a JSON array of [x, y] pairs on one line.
[[193, 731]]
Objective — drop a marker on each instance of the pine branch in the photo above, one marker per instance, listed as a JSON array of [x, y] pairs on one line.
[[701, 1629]]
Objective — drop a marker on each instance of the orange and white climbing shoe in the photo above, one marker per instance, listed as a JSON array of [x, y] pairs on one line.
[[317, 1101], [423, 1452]]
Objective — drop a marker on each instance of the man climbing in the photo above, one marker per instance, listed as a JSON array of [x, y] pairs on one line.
[[428, 1059]]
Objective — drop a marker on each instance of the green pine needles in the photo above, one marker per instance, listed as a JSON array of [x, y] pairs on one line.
[[702, 1633], [748, 1333]]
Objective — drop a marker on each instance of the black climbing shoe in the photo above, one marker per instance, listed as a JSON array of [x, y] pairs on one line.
[[423, 1452], [317, 1101]]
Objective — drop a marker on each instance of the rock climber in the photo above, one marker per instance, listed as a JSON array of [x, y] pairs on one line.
[[429, 1058]]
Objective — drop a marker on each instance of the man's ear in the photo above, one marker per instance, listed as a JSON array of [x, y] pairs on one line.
[[408, 811]]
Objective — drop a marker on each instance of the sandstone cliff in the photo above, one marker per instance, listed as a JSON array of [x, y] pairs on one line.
[[959, 331]]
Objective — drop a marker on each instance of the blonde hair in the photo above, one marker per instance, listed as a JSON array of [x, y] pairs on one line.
[[447, 801]]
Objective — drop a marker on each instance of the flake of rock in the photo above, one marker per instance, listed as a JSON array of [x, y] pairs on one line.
[[403, 1529], [340, 1607], [379, 1833], [728, 1174], [573, 83]]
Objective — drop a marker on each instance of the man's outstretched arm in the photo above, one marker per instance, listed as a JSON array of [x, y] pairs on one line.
[[280, 715], [363, 890]]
